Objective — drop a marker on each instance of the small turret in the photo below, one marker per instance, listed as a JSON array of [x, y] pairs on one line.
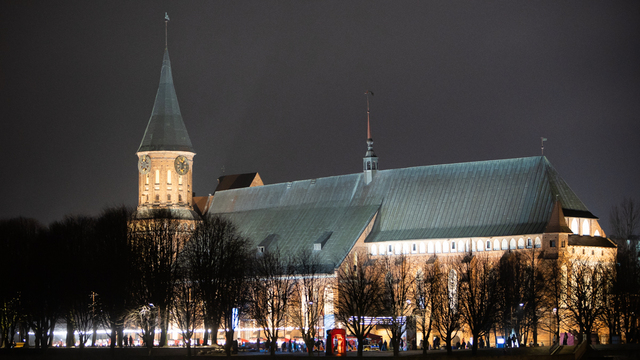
[[370, 160]]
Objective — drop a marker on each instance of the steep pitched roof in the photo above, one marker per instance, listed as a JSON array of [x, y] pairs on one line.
[[237, 181], [166, 130], [475, 199]]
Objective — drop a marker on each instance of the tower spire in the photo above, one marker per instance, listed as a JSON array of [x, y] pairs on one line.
[[370, 160]]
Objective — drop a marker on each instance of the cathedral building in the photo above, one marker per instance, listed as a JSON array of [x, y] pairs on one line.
[[491, 207]]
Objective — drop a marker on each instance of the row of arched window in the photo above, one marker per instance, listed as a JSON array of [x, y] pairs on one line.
[[453, 246], [586, 228]]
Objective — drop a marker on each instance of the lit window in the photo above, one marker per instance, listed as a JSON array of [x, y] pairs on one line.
[[157, 176], [585, 228], [505, 244], [374, 249], [180, 180], [596, 233], [422, 249], [521, 243], [430, 247], [438, 247], [480, 245], [512, 244], [381, 249], [574, 226], [168, 176], [460, 245], [445, 247], [147, 179], [538, 243]]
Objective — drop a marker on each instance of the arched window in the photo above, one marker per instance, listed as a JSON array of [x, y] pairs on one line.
[[374, 250], [422, 249], [438, 247], [496, 244], [505, 244], [512, 244], [574, 226], [596, 233], [488, 245], [585, 228], [538, 243], [480, 245], [460, 245], [398, 249], [453, 246], [521, 243], [430, 247], [414, 248], [445, 247], [381, 249], [405, 248]]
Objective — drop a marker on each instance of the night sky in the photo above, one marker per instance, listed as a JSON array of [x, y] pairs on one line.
[[278, 87]]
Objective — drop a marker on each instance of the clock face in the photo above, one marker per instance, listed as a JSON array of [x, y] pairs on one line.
[[144, 164], [182, 165]]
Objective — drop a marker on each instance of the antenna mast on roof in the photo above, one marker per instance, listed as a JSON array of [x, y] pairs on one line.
[[542, 140], [166, 22]]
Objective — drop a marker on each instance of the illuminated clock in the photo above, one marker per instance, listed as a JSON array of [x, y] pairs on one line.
[[182, 165], [144, 164]]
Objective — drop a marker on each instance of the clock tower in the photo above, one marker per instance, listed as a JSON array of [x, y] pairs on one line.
[[165, 156]]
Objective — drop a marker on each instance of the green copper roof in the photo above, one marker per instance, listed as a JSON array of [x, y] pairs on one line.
[[475, 199], [166, 130]]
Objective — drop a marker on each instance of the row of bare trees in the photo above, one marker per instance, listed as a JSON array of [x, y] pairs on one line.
[[520, 293], [115, 270]]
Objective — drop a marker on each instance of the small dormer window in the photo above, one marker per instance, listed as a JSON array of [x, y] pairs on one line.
[[261, 249], [317, 247]]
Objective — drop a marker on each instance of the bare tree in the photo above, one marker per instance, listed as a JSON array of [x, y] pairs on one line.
[[446, 299], [627, 285], [307, 302], [398, 287], [114, 270], [156, 244], [624, 220], [585, 299], [272, 288], [359, 288], [217, 257], [513, 275], [479, 292], [555, 280], [423, 299], [185, 308]]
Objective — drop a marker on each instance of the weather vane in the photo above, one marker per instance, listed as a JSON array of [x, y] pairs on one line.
[[542, 140], [166, 21]]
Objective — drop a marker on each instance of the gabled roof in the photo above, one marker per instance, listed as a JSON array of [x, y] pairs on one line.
[[166, 130], [475, 199], [237, 181], [597, 241]]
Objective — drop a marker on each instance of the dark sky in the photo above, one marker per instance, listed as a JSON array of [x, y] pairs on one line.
[[278, 87]]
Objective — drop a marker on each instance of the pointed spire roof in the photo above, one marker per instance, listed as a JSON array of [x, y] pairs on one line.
[[166, 130], [556, 222]]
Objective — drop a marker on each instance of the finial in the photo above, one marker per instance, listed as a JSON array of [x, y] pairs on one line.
[[542, 140], [368, 125], [166, 21]]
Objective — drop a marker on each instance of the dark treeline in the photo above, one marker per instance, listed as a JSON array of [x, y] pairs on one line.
[[115, 271]]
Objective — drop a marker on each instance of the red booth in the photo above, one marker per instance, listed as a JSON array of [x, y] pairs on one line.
[[337, 342]]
